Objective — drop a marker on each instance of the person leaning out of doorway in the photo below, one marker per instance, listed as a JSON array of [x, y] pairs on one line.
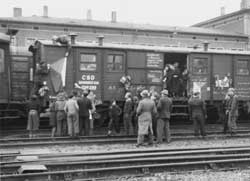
[[33, 115], [197, 111], [164, 108]]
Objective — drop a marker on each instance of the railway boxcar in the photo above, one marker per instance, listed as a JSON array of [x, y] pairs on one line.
[[99, 67], [15, 79]]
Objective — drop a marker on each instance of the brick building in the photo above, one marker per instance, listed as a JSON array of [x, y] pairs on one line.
[[238, 21], [44, 27]]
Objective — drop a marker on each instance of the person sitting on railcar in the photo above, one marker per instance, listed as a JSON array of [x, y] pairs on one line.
[[33, 116]]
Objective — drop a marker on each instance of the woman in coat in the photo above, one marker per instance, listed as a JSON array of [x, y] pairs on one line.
[[145, 110]]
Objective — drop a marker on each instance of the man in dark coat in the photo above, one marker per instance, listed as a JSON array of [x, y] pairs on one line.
[[128, 113], [197, 111], [231, 110], [84, 107], [176, 81], [164, 108]]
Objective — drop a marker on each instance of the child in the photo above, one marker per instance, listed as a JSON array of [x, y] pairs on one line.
[[114, 114], [52, 110]]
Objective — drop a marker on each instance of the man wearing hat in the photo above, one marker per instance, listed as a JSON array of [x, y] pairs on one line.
[[231, 110], [145, 110], [197, 111], [164, 108]]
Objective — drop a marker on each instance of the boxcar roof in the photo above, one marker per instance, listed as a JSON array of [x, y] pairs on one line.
[[148, 48], [4, 38], [118, 25]]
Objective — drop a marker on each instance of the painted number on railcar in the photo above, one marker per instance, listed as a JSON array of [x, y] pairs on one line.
[[88, 81]]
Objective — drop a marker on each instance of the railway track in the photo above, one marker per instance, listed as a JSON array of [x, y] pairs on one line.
[[101, 139], [117, 163]]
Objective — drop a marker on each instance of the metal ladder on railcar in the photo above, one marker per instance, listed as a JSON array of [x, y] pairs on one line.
[[180, 108]]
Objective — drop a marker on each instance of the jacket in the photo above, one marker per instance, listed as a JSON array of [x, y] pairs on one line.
[[84, 106], [196, 106], [164, 107]]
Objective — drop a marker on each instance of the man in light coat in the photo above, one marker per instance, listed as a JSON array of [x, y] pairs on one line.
[[145, 110]]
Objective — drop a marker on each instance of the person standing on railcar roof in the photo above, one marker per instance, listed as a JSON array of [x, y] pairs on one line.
[[84, 108], [146, 108], [231, 110], [164, 108], [33, 116], [128, 113], [197, 111]]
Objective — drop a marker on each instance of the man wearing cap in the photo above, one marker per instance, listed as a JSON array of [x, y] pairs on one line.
[[84, 108], [128, 113], [197, 111], [231, 110], [145, 110], [164, 108]]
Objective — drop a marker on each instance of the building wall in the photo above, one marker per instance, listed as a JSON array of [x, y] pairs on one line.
[[29, 32]]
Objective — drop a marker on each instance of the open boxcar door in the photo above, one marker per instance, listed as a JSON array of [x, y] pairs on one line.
[[242, 76], [199, 74]]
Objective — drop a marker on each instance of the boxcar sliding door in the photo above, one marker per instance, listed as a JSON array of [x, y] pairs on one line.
[[89, 70], [199, 72], [113, 70], [242, 76]]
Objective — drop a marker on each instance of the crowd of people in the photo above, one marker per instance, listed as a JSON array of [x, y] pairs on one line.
[[147, 114], [69, 115]]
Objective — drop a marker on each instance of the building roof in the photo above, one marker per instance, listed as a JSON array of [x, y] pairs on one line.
[[118, 25], [236, 13], [154, 48], [4, 37]]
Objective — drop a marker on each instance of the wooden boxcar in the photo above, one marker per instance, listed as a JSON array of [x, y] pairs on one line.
[[99, 67], [15, 79]]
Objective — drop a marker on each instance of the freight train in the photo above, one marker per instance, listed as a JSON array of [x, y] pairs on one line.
[[101, 67]]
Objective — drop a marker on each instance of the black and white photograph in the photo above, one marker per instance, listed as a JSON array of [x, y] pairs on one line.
[[125, 90]]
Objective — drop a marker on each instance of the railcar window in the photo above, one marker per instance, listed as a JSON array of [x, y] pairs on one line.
[[115, 63], [88, 62], [243, 67], [1, 60], [200, 66]]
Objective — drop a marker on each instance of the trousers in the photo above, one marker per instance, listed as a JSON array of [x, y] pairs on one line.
[[84, 124], [163, 128], [73, 124], [128, 126], [199, 125], [140, 138]]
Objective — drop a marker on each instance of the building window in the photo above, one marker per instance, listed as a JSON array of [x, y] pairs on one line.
[[200, 66], [3, 25], [66, 29], [88, 62], [35, 27], [115, 63], [243, 67], [2, 60]]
